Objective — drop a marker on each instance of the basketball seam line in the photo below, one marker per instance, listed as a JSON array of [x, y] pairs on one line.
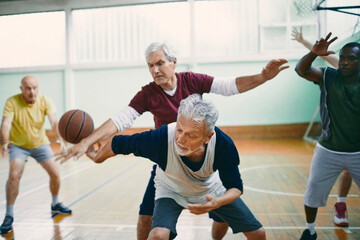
[[82, 125], [67, 124]]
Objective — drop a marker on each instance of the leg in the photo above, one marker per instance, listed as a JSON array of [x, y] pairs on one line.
[[166, 214], [12, 189], [219, 229], [12, 185], [239, 217], [45, 157], [159, 233], [310, 214], [53, 170], [344, 184], [340, 218], [324, 170], [143, 227], [146, 209], [256, 235]]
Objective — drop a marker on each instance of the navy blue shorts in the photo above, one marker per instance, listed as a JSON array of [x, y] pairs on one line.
[[236, 214], [147, 205]]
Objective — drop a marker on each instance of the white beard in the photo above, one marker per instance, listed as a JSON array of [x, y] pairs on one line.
[[184, 152]]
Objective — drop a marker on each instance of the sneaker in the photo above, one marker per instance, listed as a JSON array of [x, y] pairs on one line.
[[307, 236], [340, 218], [61, 209], [7, 224]]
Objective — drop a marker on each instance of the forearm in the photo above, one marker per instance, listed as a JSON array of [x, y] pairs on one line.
[[5, 131], [229, 196], [246, 83], [106, 130], [104, 153], [306, 44], [303, 67]]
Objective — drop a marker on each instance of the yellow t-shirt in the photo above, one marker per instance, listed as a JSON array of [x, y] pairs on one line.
[[27, 129]]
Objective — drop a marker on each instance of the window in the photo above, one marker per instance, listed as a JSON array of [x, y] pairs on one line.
[[277, 20], [123, 33], [32, 39], [226, 28]]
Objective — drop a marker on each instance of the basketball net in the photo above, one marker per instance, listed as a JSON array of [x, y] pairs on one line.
[[304, 7]]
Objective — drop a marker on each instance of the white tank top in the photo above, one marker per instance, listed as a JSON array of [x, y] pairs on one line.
[[182, 184]]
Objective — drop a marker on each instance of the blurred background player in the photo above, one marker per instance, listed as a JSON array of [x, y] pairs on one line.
[[22, 134], [345, 181]]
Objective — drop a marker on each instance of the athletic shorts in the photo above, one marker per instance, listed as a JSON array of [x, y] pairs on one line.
[[325, 168], [236, 214], [40, 154], [147, 205]]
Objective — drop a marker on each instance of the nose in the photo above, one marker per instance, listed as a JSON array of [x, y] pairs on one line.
[[156, 69], [181, 139]]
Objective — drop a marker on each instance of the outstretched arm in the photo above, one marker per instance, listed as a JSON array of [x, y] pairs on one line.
[[54, 125], [106, 130], [304, 68], [215, 202], [272, 69], [297, 35]]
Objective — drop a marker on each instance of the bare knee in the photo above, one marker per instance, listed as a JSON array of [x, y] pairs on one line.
[[256, 235], [219, 229], [159, 233], [14, 177]]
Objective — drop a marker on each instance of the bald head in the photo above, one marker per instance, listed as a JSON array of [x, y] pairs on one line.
[[29, 89]]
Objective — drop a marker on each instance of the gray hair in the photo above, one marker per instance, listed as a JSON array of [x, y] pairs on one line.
[[167, 48], [196, 108]]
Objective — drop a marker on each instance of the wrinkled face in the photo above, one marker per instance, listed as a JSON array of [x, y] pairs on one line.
[[191, 137], [29, 89], [349, 62], [161, 69]]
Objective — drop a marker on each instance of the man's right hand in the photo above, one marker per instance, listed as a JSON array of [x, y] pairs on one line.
[[4, 149], [75, 152], [320, 48]]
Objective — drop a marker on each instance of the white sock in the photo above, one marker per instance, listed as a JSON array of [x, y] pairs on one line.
[[341, 199], [9, 210], [311, 227], [55, 200]]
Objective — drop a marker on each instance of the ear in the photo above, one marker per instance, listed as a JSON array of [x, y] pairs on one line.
[[175, 61], [208, 137]]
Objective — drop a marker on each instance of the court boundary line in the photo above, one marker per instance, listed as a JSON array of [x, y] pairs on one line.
[[278, 192], [100, 186]]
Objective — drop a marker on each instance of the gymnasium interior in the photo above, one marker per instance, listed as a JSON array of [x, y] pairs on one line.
[[89, 55]]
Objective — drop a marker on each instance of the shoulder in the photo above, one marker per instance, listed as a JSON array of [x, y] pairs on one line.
[[222, 138], [189, 76], [14, 100]]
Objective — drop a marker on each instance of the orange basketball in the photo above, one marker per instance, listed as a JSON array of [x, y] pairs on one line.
[[75, 125]]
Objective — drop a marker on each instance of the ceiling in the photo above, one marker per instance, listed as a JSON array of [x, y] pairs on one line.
[[8, 7]]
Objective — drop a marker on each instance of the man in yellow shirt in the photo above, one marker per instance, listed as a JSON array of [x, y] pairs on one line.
[[22, 134]]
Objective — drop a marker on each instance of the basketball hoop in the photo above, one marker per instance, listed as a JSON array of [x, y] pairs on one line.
[[304, 7]]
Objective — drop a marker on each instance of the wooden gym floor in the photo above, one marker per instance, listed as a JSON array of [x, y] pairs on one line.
[[105, 197]]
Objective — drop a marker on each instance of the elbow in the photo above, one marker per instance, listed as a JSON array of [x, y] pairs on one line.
[[300, 72]]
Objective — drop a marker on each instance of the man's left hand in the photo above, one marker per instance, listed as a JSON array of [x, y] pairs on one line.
[[273, 68], [210, 204]]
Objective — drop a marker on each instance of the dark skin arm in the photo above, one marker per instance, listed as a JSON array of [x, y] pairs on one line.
[[304, 68]]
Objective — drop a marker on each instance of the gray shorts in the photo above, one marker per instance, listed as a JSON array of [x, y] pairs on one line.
[[236, 214], [40, 154], [325, 168]]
